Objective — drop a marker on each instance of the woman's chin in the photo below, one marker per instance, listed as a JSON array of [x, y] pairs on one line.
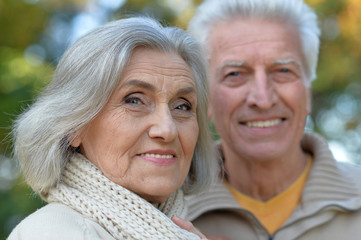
[[160, 198]]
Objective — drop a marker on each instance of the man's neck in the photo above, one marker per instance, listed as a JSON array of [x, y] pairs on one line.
[[266, 178]]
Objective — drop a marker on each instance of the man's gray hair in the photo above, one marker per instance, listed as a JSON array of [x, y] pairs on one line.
[[84, 79], [212, 12]]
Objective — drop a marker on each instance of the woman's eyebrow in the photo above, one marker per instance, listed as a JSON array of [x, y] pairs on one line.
[[139, 83], [150, 87], [186, 90]]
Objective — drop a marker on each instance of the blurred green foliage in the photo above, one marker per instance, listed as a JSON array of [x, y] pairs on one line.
[[34, 33], [19, 81]]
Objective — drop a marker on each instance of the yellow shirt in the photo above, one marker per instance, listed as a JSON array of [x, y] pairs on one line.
[[273, 213]]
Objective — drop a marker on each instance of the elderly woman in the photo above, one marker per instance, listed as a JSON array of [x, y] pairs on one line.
[[118, 136]]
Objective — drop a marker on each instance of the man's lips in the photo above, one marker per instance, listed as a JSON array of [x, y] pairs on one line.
[[263, 123]]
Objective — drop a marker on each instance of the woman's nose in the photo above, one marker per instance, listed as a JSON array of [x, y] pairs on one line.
[[163, 126]]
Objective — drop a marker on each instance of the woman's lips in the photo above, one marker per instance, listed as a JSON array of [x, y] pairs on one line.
[[159, 157]]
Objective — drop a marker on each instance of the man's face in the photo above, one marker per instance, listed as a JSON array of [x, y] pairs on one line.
[[258, 98]]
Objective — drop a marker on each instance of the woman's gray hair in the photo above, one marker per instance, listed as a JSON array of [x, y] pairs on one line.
[[212, 12], [84, 79]]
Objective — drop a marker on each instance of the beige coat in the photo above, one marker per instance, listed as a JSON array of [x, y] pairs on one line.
[[330, 207], [65, 222]]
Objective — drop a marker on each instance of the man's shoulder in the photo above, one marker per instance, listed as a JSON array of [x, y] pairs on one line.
[[352, 171], [218, 197], [325, 161], [349, 167]]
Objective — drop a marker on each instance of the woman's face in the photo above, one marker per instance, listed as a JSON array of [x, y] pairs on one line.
[[144, 137]]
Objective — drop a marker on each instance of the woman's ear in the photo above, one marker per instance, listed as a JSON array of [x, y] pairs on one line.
[[210, 113], [308, 100], [75, 140]]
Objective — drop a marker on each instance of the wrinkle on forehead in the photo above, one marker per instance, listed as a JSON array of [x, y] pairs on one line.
[[230, 39], [172, 63], [158, 71]]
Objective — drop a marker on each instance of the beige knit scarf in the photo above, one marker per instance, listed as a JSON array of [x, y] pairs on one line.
[[122, 213]]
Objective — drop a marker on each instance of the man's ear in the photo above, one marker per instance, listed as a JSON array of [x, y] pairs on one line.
[[308, 100]]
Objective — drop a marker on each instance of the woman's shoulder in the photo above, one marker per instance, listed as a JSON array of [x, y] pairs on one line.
[[57, 221]]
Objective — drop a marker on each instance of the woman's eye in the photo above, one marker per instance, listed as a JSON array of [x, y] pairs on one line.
[[133, 100], [184, 107]]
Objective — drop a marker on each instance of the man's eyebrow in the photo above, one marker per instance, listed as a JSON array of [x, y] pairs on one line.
[[139, 83], [287, 61], [232, 64]]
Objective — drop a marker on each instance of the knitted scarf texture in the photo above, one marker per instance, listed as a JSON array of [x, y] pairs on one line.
[[125, 215]]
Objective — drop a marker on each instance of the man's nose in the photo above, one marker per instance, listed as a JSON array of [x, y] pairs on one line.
[[261, 92]]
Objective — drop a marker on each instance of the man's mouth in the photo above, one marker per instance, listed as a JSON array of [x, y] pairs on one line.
[[263, 124]]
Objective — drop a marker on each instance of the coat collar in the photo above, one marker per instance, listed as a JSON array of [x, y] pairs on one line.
[[328, 184]]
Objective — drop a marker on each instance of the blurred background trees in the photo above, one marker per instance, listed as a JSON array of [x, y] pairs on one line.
[[34, 34]]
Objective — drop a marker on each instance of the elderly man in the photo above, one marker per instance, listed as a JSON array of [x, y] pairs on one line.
[[278, 182]]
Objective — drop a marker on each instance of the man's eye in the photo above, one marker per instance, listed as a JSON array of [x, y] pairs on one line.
[[284, 70], [234, 74]]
